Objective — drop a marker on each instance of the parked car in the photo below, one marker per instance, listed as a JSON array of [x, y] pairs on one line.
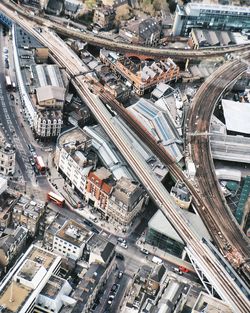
[[120, 274], [88, 223], [144, 251], [31, 148], [123, 245], [121, 240], [115, 288], [12, 97], [31, 160], [95, 230]]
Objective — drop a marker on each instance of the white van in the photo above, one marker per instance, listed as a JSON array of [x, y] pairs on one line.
[[157, 260]]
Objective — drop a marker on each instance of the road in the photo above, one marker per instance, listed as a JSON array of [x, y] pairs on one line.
[[130, 48], [215, 272]]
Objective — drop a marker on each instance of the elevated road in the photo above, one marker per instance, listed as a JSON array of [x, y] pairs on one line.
[[177, 54], [204, 257]]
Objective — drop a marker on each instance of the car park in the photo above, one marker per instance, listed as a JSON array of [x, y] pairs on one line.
[[144, 251], [123, 245]]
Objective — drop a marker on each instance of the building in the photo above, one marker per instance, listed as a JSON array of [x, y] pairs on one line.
[[27, 213], [159, 125], [74, 159], [142, 31], [51, 224], [54, 295], [210, 304], [206, 38], [151, 278], [140, 75], [101, 187], [209, 16], [126, 201], [100, 250], [98, 188], [104, 17], [71, 239], [11, 246], [7, 158], [42, 87], [87, 289], [72, 7], [181, 195], [161, 234], [20, 288]]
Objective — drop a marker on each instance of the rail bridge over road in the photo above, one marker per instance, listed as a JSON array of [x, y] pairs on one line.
[[203, 256]]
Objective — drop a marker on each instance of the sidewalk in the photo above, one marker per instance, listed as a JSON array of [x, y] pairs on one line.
[[162, 254]]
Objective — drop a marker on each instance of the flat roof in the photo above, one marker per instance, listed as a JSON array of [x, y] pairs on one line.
[[74, 233], [13, 295], [237, 116], [53, 286], [161, 224]]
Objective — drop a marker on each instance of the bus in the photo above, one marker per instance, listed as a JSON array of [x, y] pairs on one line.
[[8, 83], [57, 199], [40, 164]]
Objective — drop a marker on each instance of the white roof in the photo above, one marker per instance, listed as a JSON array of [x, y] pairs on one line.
[[50, 92], [237, 116], [161, 224]]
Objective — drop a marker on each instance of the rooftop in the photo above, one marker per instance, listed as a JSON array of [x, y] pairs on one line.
[[74, 233], [209, 304], [237, 116], [72, 136], [45, 93], [53, 286], [161, 224], [13, 294]]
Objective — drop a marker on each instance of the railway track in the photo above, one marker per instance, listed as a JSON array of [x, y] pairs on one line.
[[215, 272], [204, 201], [179, 54]]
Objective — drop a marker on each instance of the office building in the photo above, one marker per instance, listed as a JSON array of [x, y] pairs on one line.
[[20, 288], [209, 16], [71, 239], [104, 17]]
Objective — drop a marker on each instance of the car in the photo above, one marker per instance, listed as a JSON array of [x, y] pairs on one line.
[[144, 251], [31, 148], [119, 256], [31, 160], [121, 240], [12, 97], [95, 230], [88, 223], [183, 269], [176, 270], [115, 288], [5, 50], [123, 245], [120, 274]]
